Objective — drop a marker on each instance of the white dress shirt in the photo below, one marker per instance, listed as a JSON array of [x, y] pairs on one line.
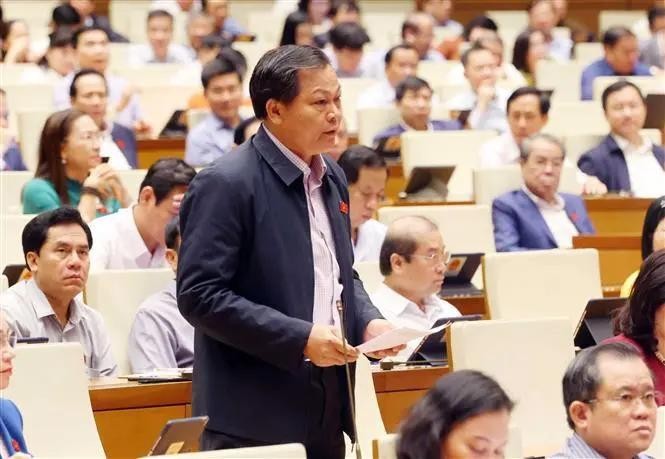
[[508, 73], [370, 238], [144, 54], [403, 312], [30, 314], [380, 94], [118, 244], [647, 177], [501, 150], [556, 218], [494, 117]]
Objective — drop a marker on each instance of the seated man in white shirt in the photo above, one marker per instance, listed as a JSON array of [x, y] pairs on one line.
[[89, 94], [366, 173], [56, 246], [418, 31], [484, 101], [159, 49], [401, 62], [160, 336], [133, 238], [413, 260]]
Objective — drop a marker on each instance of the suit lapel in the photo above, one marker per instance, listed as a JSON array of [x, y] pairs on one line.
[[532, 209], [573, 215]]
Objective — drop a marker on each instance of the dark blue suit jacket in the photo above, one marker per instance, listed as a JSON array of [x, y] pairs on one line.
[[606, 161], [125, 139], [11, 427], [519, 225], [246, 283]]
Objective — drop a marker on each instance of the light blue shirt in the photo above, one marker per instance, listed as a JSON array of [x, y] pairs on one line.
[[212, 138], [603, 68], [577, 448]]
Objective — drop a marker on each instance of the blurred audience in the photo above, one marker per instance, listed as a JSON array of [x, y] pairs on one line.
[[610, 404], [10, 152], [225, 25], [176, 7], [159, 49], [626, 160], [346, 53], [621, 59], [418, 32], [65, 17], [543, 17], [160, 336], [297, 30], [451, 48], [56, 246], [199, 26], [340, 11], [70, 171], [317, 11], [86, 9], [537, 216], [653, 50], [366, 174], [59, 59], [441, 10], [530, 47], [15, 43], [579, 32], [466, 414], [213, 136], [133, 238]]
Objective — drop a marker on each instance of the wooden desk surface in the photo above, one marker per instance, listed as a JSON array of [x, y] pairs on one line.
[[619, 254], [616, 215]]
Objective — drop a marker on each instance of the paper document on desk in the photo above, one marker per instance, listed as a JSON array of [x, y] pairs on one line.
[[397, 337]]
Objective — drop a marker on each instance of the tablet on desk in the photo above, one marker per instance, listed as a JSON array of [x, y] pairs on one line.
[[428, 183], [179, 436], [459, 272], [433, 347]]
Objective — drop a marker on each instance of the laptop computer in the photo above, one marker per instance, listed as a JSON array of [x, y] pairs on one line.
[[596, 323], [655, 111], [433, 347], [459, 272], [428, 184], [179, 436]]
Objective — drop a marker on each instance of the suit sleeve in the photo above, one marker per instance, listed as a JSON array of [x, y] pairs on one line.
[[365, 310], [506, 232], [588, 166], [213, 230], [586, 85]]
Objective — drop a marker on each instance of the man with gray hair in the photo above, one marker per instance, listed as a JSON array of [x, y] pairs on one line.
[[537, 216], [413, 259], [610, 403]]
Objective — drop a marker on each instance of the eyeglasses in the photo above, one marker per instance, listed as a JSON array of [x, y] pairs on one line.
[[8, 339], [436, 258], [628, 401]]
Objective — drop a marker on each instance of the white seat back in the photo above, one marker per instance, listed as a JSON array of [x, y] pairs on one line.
[[58, 419], [657, 448], [30, 126], [588, 52], [509, 19], [11, 248], [609, 18], [368, 416], [582, 116], [159, 101], [371, 121], [435, 72], [647, 84], [351, 90], [446, 148], [287, 451], [529, 364], [132, 179], [117, 294], [370, 275], [384, 447], [490, 182], [11, 185], [563, 77], [384, 27], [38, 96], [4, 283], [541, 283], [265, 25]]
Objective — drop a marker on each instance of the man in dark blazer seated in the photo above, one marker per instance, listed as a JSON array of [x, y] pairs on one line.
[[266, 254], [537, 216], [625, 160]]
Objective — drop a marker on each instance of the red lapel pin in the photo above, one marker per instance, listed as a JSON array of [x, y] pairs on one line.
[[16, 446], [343, 207]]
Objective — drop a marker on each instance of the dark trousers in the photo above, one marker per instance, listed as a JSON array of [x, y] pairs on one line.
[[324, 428]]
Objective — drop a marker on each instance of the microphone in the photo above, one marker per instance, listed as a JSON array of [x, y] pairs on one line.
[[390, 364], [352, 404]]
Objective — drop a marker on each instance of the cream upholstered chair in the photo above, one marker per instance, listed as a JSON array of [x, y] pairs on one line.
[[588, 52], [254, 50], [147, 75], [384, 27], [541, 283], [30, 126], [509, 19], [578, 144], [287, 451], [11, 247], [117, 294], [11, 185], [58, 419], [435, 72], [444, 92], [351, 90], [263, 21], [159, 101], [609, 18], [446, 148], [119, 56], [528, 358], [368, 416], [120, 11], [582, 116], [37, 96], [4, 283], [132, 179], [657, 448], [371, 121], [370, 275], [490, 182], [647, 84], [563, 77]]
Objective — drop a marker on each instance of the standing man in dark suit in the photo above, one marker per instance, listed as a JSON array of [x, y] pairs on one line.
[[266, 255]]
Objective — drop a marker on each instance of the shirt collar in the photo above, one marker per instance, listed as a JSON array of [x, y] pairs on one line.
[[542, 204], [220, 123], [43, 308], [397, 303], [317, 168], [406, 127], [626, 147]]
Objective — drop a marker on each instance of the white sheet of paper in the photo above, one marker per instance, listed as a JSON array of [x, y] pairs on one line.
[[397, 337]]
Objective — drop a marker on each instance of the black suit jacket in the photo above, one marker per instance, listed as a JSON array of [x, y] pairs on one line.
[[246, 283], [607, 162]]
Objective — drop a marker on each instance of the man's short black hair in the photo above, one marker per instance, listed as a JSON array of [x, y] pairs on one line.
[[276, 74], [239, 131], [410, 83], [165, 174], [217, 67], [654, 13], [616, 33], [85, 29], [172, 234], [616, 87], [82, 73], [482, 22], [543, 99], [159, 14], [348, 35], [65, 15], [355, 158], [391, 52], [475, 47], [36, 230]]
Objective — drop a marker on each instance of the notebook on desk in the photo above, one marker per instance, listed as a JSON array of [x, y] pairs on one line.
[[459, 272], [433, 347]]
